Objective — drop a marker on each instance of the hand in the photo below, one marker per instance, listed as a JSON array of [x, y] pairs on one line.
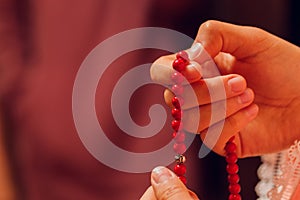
[[166, 186], [269, 66]]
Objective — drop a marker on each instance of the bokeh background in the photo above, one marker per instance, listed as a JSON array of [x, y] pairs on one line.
[[42, 44]]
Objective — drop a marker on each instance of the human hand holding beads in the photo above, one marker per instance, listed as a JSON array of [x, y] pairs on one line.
[[251, 61], [238, 98]]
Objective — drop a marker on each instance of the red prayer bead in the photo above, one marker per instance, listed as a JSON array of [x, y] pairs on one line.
[[174, 134], [234, 188], [177, 89], [232, 168], [234, 197], [179, 137], [180, 169], [180, 64], [177, 102], [230, 147], [183, 55], [183, 179], [176, 125], [231, 158], [179, 148], [231, 139], [177, 78], [233, 178], [176, 113]]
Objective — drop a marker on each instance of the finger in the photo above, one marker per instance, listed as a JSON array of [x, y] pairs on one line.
[[161, 71], [225, 61], [193, 195], [201, 118], [220, 133], [149, 194], [218, 37], [210, 90], [167, 186]]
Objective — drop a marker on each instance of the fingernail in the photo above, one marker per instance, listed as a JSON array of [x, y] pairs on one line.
[[193, 72], [194, 51], [252, 110], [161, 174], [245, 97], [236, 84]]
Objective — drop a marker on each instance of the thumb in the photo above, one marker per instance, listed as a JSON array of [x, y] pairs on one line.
[[167, 186]]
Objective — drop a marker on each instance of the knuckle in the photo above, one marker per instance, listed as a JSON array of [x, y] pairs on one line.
[[159, 68], [170, 192], [258, 30], [192, 122], [209, 25], [233, 122]]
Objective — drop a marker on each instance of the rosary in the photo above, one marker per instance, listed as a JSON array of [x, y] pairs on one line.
[[234, 188]]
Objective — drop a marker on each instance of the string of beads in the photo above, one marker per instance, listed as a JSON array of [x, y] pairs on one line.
[[232, 170], [179, 65], [179, 147]]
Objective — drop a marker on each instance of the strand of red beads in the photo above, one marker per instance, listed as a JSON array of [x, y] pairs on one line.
[[232, 170], [179, 147], [179, 65]]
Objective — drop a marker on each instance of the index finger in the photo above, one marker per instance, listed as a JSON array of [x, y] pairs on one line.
[[162, 70], [239, 41]]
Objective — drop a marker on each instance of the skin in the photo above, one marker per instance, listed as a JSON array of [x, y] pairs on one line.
[[166, 186], [267, 68]]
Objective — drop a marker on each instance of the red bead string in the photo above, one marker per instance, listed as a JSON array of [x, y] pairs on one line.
[[179, 147], [232, 170], [180, 64]]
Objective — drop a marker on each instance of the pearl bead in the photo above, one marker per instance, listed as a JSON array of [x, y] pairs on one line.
[[263, 187], [265, 171]]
